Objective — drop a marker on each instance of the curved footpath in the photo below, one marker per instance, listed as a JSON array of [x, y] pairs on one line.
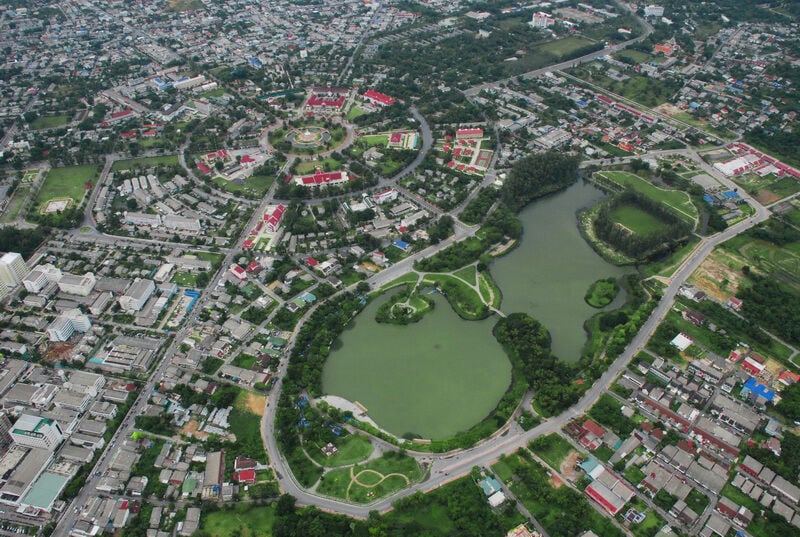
[[449, 466]]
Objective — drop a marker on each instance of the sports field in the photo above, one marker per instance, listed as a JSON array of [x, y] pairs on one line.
[[637, 220], [69, 182], [680, 202]]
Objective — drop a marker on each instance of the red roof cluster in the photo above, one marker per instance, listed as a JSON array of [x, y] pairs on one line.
[[396, 137], [322, 178], [463, 133], [273, 219], [379, 98], [203, 168], [124, 113], [322, 101]]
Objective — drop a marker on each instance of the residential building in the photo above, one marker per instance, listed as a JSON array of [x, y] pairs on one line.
[[12, 269], [653, 11], [542, 20]]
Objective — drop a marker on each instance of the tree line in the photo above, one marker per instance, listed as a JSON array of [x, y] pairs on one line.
[[537, 175], [637, 245]]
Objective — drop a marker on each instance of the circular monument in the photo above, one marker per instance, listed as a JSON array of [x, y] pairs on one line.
[[308, 137]]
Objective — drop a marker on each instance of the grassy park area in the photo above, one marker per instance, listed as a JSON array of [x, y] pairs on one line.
[[635, 219], [375, 479], [679, 202], [255, 184], [352, 449], [239, 520], [69, 182], [305, 167], [466, 302], [49, 122], [468, 274], [15, 203], [144, 162]]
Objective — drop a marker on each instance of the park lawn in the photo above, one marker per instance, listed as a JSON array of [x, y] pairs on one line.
[[490, 292], [368, 494], [239, 520], [49, 122], [374, 139], [354, 112], [635, 56], [256, 184], [15, 203], [466, 302], [649, 526], [352, 448], [144, 162], [335, 483], [69, 182], [468, 274], [308, 166], [410, 277], [393, 463], [185, 279], [564, 47], [389, 166], [553, 449], [679, 202], [639, 221]]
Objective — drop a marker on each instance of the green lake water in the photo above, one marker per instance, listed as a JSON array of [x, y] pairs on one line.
[[443, 375], [548, 274], [433, 378]]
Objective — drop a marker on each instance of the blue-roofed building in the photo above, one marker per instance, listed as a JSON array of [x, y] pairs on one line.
[[730, 194], [753, 389], [708, 199], [592, 467], [489, 486]]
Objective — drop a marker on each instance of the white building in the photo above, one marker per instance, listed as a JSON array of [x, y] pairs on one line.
[[653, 11], [174, 221], [73, 284], [38, 278], [37, 432], [66, 324], [137, 295], [12, 269], [542, 20], [142, 219], [385, 196]]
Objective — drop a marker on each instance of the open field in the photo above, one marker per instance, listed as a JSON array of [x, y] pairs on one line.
[[375, 479], [69, 182], [239, 520], [468, 274], [15, 203], [255, 184], [770, 188], [251, 402], [639, 221], [678, 201], [553, 449], [354, 112], [49, 122], [144, 162], [308, 166], [635, 56], [352, 448]]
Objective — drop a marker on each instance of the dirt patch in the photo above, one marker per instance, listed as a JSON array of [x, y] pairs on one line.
[[567, 468], [255, 403], [190, 430], [57, 352], [555, 482], [669, 109], [765, 197], [715, 270]]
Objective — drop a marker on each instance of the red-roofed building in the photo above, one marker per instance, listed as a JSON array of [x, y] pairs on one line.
[[254, 267], [788, 378], [204, 168], [149, 134], [130, 135], [247, 159], [248, 244], [379, 99], [664, 48], [245, 476], [395, 137], [463, 134], [311, 262], [752, 367], [238, 271], [120, 116], [273, 220], [320, 178]]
